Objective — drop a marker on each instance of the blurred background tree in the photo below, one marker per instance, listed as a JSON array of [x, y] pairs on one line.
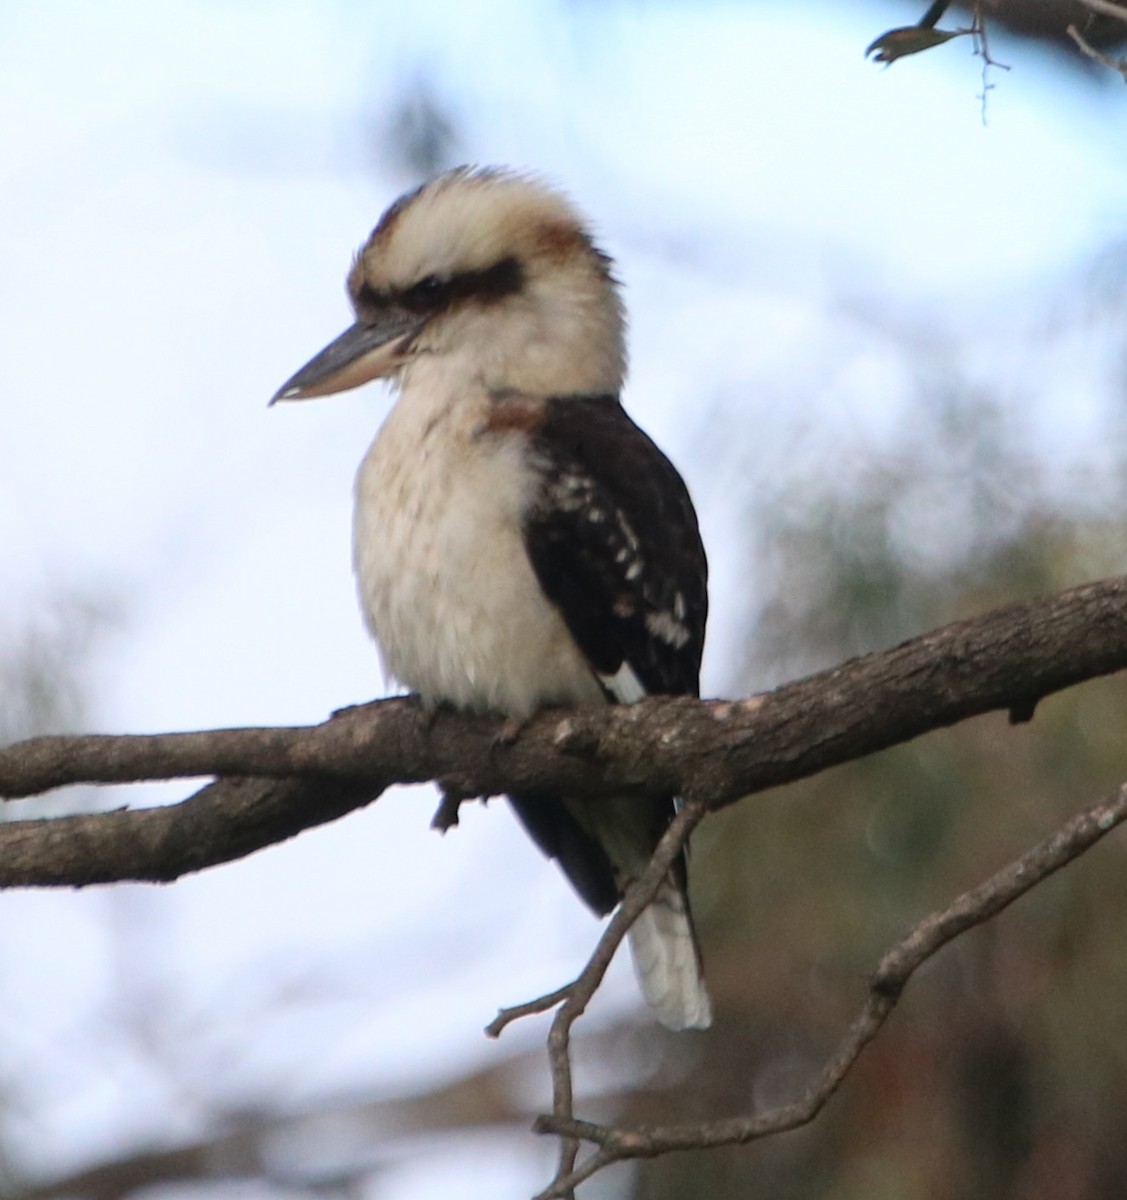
[[999, 1076]]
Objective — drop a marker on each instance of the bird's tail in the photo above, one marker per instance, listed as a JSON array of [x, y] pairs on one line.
[[667, 960]]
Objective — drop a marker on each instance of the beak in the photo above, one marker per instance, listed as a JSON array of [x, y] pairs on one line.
[[361, 353]]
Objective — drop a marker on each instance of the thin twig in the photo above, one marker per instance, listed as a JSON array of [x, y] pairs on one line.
[[982, 48], [886, 985], [529, 1008], [578, 994]]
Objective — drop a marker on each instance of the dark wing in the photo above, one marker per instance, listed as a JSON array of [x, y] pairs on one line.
[[614, 541], [613, 538]]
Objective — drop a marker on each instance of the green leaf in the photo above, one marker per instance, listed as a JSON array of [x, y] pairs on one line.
[[910, 39]]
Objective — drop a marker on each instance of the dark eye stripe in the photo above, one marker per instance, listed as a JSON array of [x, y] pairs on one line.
[[494, 283], [432, 294]]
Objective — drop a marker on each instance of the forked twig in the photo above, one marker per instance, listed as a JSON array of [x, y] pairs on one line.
[[574, 997], [972, 908]]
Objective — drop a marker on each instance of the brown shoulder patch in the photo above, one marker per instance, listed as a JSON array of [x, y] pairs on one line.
[[511, 411]]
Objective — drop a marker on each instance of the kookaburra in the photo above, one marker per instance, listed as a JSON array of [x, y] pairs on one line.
[[518, 541]]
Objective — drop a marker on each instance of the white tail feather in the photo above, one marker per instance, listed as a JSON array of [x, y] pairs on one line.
[[667, 962]]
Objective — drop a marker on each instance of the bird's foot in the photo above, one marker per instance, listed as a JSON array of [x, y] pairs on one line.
[[507, 735], [427, 712]]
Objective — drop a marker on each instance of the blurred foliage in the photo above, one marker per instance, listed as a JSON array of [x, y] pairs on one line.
[[911, 39], [1045, 20], [44, 657], [1004, 1073], [418, 135], [46, 651]]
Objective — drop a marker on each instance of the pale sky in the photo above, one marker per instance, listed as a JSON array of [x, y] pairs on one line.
[[184, 185]]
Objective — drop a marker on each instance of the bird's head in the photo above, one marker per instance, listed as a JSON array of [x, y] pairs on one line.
[[487, 272]]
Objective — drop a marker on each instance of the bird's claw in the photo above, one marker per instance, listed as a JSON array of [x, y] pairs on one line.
[[507, 735]]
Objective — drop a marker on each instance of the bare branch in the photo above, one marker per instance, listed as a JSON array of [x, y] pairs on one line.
[[276, 782], [529, 1008], [579, 994], [1118, 64], [715, 752], [1106, 9], [885, 987], [221, 822], [575, 996]]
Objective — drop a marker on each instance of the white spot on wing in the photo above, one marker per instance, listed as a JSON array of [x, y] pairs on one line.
[[665, 626], [624, 685]]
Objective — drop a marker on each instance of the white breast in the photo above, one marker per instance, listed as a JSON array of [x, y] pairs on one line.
[[445, 585]]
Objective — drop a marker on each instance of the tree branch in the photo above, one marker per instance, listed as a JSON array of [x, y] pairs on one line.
[[885, 987], [1095, 55], [579, 994], [713, 752], [1106, 9], [276, 782]]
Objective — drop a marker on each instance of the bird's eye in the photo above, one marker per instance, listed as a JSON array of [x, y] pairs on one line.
[[428, 293]]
